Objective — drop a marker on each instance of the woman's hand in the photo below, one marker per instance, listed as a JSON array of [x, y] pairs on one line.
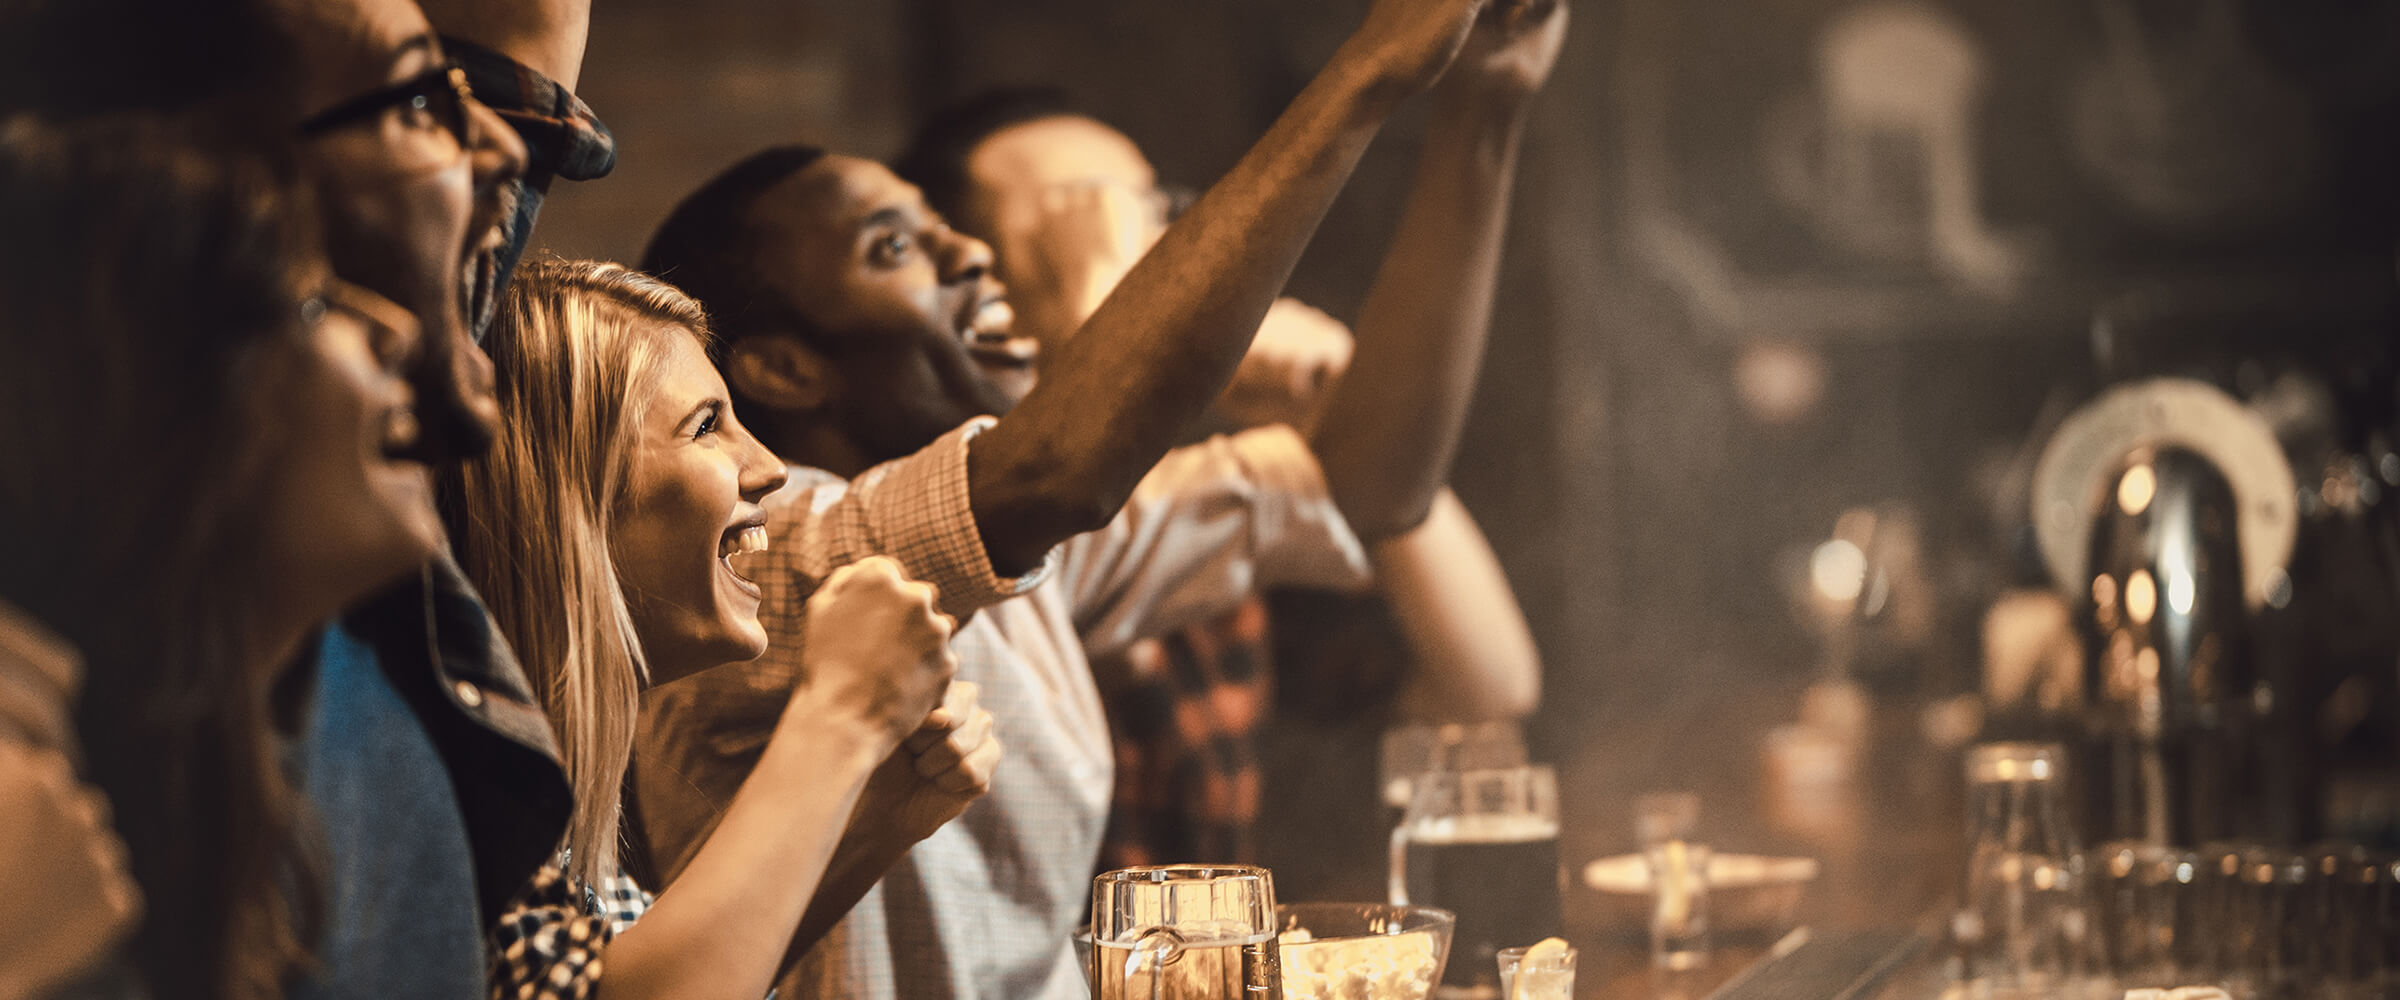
[[875, 668], [877, 650], [938, 772]]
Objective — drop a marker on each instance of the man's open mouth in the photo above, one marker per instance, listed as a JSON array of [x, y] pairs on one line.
[[990, 338]]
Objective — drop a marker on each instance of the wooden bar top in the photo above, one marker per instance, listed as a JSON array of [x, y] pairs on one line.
[[1889, 839]]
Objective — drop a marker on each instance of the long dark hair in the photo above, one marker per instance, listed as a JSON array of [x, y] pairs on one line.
[[140, 280]]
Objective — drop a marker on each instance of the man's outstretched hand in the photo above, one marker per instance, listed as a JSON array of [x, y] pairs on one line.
[[1510, 54], [1405, 45]]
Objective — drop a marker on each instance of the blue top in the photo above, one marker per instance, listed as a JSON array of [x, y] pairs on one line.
[[401, 916]]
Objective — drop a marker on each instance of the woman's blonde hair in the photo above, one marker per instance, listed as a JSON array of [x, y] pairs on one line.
[[576, 352]]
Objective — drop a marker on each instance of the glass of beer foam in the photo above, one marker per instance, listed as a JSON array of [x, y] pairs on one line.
[[1482, 844]]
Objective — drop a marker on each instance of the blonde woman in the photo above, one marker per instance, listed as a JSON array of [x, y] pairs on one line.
[[604, 531]]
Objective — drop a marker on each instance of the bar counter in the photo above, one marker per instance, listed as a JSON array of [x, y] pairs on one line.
[[1888, 841]]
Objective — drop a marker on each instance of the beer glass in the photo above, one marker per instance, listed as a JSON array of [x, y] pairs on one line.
[[2021, 929], [2145, 911], [1482, 844], [1414, 748], [1185, 932]]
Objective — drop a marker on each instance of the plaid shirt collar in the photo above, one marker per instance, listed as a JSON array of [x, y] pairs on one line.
[[563, 138]]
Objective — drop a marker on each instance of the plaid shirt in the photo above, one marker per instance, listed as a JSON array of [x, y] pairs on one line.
[[985, 907], [1184, 712]]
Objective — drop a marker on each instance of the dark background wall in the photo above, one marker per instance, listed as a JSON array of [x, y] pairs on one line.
[[1774, 259]]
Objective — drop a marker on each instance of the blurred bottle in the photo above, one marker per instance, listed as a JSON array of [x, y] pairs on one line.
[[2184, 737]]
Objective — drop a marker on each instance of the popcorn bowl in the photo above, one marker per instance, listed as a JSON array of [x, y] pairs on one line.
[[1362, 951]]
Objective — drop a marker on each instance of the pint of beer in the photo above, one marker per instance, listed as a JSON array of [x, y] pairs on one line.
[[1484, 845]]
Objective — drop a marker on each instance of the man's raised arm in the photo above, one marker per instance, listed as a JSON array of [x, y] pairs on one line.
[[1393, 423], [1119, 393]]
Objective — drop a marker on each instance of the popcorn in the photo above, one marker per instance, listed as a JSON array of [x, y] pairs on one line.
[[1381, 967]]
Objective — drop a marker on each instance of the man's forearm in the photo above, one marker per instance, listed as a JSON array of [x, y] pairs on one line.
[[1474, 656], [1163, 344], [1393, 423]]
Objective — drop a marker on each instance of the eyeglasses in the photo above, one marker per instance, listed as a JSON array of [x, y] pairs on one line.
[[1165, 203], [440, 92]]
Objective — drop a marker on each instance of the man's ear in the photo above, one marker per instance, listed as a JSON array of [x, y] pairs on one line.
[[780, 372]]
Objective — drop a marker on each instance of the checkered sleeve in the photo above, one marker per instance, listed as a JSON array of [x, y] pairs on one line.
[[549, 941], [915, 510], [563, 138], [700, 736]]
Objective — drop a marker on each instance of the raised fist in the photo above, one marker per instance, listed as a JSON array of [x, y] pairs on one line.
[[1512, 50], [1406, 44], [877, 646], [72, 898]]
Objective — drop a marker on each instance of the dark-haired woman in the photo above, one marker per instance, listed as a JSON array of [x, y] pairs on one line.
[[205, 460]]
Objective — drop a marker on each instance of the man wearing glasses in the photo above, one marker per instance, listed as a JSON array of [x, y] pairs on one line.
[[429, 761]]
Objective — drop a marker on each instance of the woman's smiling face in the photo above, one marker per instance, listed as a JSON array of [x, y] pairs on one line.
[[348, 502], [692, 488]]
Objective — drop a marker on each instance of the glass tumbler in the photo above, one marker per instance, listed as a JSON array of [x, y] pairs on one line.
[[1185, 932], [2344, 898], [1550, 976], [1665, 824], [2022, 926], [1679, 937], [2144, 907]]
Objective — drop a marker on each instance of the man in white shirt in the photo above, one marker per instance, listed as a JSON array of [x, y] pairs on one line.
[[1070, 204], [870, 345]]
